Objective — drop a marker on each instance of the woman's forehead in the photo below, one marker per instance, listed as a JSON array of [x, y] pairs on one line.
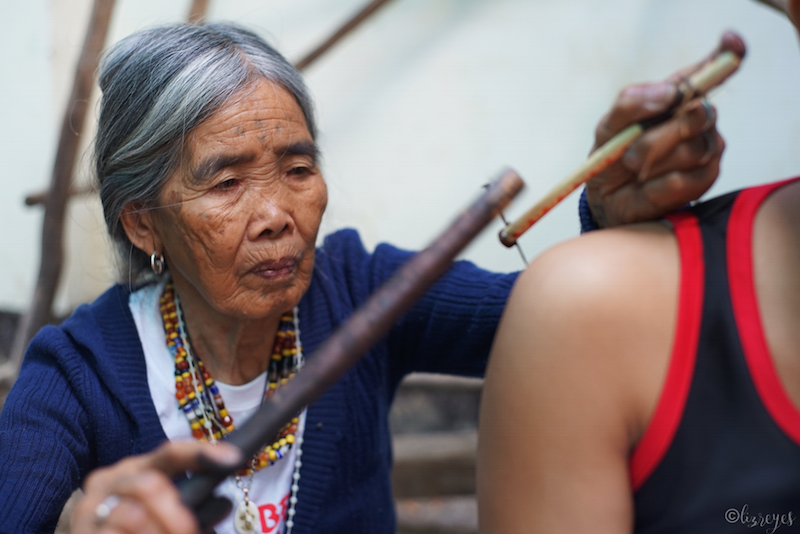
[[262, 104], [264, 113]]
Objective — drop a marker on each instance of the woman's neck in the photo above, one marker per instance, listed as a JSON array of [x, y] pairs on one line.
[[234, 350]]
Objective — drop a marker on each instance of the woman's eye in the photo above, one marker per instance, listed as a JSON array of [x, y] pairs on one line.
[[227, 184], [299, 172]]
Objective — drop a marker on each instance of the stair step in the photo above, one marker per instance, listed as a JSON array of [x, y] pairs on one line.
[[450, 515], [434, 464]]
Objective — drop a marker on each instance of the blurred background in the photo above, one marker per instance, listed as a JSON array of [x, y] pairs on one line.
[[417, 108]]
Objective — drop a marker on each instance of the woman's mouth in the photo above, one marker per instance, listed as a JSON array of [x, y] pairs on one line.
[[275, 269]]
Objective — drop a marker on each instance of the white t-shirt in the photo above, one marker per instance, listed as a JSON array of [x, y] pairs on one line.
[[270, 487]]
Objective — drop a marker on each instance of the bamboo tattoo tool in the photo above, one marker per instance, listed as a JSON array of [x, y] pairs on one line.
[[346, 346], [696, 85]]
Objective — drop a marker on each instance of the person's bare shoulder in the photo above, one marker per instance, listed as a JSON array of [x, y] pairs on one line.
[[574, 374], [605, 302]]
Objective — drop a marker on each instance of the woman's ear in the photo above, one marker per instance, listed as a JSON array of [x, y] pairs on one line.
[[138, 223]]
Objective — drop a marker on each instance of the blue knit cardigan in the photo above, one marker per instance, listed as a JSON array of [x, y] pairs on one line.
[[82, 399]]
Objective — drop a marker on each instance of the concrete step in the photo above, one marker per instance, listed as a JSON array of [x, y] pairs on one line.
[[435, 403], [434, 464], [441, 515]]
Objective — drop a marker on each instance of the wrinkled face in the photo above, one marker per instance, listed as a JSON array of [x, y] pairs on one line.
[[239, 220]]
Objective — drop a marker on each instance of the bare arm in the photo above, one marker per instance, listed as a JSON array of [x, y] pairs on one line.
[[574, 374]]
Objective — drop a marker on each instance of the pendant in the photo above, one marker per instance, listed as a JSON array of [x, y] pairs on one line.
[[246, 516]]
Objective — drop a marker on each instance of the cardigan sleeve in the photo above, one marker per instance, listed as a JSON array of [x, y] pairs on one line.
[[44, 447], [449, 330]]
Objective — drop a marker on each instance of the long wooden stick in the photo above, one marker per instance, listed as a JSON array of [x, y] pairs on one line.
[[698, 84], [197, 11], [343, 30], [366, 326], [52, 253]]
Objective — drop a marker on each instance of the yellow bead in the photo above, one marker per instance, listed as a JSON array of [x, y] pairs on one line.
[[290, 438], [272, 455], [223, 412], [282, 442]]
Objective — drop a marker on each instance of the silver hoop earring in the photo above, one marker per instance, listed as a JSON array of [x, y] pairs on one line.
[[157, 262]]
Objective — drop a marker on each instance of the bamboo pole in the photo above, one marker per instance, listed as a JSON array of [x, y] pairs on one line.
[[52, 253], [697, 85]]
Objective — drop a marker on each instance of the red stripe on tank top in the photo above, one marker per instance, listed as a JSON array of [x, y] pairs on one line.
[[661, 429], [746, 312]]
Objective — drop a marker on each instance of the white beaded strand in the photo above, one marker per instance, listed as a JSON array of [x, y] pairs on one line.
[[298, 463]]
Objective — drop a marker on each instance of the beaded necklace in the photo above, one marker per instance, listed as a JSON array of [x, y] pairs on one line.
[[200, 400]]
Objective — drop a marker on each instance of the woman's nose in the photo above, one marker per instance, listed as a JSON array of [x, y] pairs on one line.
[[269, 217]]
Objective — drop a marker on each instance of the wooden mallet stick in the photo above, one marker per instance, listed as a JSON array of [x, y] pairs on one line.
[[709, 76]]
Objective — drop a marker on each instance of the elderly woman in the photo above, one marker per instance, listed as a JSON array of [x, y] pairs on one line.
[[211, 188]]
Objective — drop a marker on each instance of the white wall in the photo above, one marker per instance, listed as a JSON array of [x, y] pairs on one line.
[[418, 108]]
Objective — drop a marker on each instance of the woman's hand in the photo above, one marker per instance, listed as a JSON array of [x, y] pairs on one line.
[[137, 494], [670, 164]]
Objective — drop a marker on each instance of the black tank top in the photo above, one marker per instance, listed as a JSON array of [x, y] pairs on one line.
[[722, 451]]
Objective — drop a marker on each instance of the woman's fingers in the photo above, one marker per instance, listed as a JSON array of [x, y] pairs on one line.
[[687, 141], [137, 493], [635, 103], [730, 41], [174, 458], [150, 501], [670, 164]]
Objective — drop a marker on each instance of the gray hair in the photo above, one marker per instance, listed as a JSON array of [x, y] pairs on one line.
[[158, 85]]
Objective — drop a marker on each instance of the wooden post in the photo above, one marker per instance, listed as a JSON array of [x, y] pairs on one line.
[[52, 253]]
